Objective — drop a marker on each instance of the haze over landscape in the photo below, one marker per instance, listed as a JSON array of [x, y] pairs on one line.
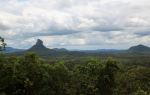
[[75, 24]]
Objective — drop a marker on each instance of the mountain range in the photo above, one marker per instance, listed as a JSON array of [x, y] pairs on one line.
[[11, 50], [40, 49]]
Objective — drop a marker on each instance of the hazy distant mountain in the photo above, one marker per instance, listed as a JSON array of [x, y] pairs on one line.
[[139, 49], [60, 49], [100, 50], [11, 50], [39, 47], [42, 50]]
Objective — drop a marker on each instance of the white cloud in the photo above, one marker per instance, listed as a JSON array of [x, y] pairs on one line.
[[75, 23]]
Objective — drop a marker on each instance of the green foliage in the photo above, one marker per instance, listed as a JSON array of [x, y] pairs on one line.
[[2, 44], [86, 77], [133, 79], [140, 92], [106, 80], [32, 75]]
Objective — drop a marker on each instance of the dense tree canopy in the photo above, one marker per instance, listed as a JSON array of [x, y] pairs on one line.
[[32, 75]]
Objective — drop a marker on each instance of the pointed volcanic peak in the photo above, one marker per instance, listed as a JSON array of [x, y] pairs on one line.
[[139, 49], [39, 46]]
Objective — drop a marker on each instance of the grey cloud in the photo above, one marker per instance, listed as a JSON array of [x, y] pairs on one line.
[[4, 27], [107, 28], [145, 33]]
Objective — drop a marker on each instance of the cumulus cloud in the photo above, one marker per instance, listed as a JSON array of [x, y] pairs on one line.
[[75, 23]]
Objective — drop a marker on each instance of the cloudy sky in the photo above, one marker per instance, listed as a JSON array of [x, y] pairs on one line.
[[75, 24]]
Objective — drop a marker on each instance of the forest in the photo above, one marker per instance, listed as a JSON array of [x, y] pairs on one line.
[[30, 74]]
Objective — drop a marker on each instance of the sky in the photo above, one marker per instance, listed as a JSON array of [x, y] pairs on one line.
[[75, 24]]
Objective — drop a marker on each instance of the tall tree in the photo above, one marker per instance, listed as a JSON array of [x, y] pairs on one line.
[[106, 82], [2, 44]]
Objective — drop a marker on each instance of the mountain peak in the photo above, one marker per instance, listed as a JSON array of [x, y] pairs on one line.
[[140, 48], [39, 42], [40, 49], [140, 45], [38, 46]]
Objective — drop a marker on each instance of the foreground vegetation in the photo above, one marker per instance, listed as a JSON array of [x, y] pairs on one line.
[[32, 75]]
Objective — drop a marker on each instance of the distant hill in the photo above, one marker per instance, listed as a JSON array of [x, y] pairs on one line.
[[60, 49], [42, 50], [139, 49], [39, 47], [101, 51], [11, 50]]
